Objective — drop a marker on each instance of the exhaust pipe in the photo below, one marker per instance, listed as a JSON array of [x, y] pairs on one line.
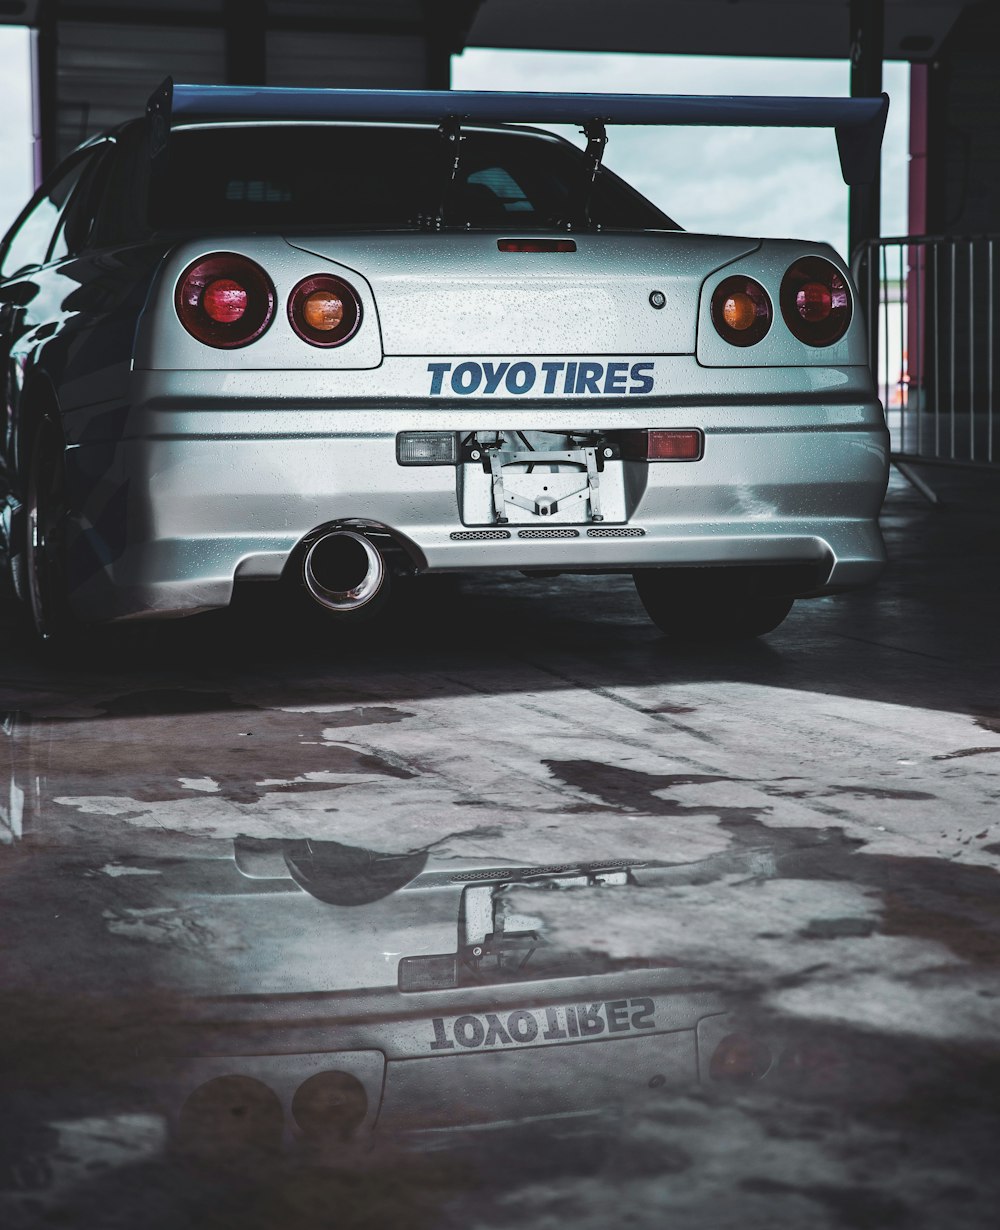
[[344, 571]]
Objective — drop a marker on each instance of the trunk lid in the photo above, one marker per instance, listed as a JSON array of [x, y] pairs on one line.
[[458, 294]]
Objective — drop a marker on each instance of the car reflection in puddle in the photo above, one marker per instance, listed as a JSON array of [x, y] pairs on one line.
[[271, 1031]]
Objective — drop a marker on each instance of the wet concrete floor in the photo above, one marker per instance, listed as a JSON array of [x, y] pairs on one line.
[[509, 912]]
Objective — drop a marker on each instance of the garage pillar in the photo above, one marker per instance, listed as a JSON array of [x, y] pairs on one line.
[[246, 42], [44, 93], [867, 22], [448, 23]]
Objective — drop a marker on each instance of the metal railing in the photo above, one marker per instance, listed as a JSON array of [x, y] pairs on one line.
[[932, 307]]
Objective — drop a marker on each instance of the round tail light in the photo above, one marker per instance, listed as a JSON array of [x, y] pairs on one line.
[[741, 311], [324, 310], [815, 301], [739, 1059], [231, 1120], [225, 300], [330, 1104]]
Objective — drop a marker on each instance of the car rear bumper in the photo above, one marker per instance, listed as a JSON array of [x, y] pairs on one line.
[[170, 520]]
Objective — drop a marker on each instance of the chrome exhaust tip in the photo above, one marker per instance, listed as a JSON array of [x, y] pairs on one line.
[[344, 571]]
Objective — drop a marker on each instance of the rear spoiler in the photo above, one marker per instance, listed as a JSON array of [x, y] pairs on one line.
[[859, 122]]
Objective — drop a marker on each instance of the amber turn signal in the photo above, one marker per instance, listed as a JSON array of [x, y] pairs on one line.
[[741, 311], [324, 310]]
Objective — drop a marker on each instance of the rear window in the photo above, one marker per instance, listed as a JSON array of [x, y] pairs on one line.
[[382, 177]]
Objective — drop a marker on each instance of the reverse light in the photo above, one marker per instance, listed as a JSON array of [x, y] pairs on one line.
[[426, 448], [741, 311], [815, 302], [324, 310], [663, 444], [225, 300]]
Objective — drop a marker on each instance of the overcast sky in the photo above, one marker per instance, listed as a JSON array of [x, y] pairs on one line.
[[767, 182], [742, 181], [15, 122]]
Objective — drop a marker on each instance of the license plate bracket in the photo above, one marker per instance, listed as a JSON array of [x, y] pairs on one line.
[[575, 486]]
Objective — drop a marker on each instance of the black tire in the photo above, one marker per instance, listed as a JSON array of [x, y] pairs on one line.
[[711, 610], [46, 585]]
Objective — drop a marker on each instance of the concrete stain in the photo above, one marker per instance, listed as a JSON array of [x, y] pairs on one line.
[[859, 1208], [633, 790], [366, 715], [858, 792], [167, 702], [967, 751], [932, 899]]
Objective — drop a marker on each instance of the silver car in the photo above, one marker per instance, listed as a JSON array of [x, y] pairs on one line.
[[335, 337]]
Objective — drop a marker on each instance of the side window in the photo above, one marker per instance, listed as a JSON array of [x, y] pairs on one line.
[[121, 187], [77, 220], [29, 244]]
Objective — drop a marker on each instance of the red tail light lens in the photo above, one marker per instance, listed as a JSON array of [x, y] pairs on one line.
[[225, 300], [741, 311], [815, 301], [536, 245], [324, 310], [231, 1121], [663, 444]]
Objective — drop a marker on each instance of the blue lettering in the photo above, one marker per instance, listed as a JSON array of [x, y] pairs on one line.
[[441, 1042], [523, 1026], [588, 376], [437, 371], [591, 1021], [551, 370], [520, 378], [581, 376], [643, 1017], [469, 1031], [644, 383], [466, 378], [616, 1010], [496, 1032], [554, 1030], [493, 376], [614, 381]]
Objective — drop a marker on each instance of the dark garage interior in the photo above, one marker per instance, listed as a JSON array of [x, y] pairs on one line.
[[688, 932]]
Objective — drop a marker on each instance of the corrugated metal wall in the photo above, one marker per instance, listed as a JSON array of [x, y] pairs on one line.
[[107, 67], [963, 152], [106, 72], [347, 60]]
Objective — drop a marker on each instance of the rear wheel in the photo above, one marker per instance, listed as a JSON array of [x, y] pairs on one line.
[[45, 573], [709, 610]]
